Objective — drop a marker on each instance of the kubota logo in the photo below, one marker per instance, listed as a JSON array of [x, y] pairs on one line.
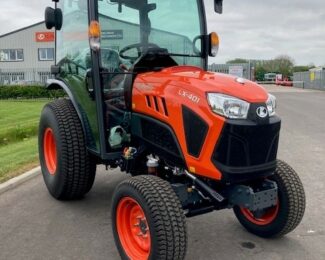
[[261, 112], [41, 37]]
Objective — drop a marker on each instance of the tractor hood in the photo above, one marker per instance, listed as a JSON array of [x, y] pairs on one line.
[[200, 82], [177, 96]]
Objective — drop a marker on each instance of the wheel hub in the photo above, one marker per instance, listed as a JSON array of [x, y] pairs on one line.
[[50, 152], [133, 229], [142, 226]]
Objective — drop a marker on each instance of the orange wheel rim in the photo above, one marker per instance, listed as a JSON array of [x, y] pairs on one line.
[[269, 215], [133, 229], [50, 151]]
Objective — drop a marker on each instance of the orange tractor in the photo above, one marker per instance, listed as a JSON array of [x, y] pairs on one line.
[[140, 99]]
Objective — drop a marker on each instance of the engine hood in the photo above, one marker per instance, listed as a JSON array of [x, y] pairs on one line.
[[201, 82]]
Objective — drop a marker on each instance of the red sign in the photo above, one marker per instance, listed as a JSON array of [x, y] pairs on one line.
[[44, 36]]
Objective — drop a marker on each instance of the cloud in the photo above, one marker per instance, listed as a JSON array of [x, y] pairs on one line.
[[257, 29], [251, 29], [16, 14]]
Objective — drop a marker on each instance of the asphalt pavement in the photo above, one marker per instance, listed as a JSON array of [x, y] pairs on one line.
[[35, 226]]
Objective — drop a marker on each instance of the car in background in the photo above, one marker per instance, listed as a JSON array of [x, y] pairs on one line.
[[286, 81], [270, 76]]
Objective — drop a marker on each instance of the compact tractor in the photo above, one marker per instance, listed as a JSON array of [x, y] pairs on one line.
[[140, 98]]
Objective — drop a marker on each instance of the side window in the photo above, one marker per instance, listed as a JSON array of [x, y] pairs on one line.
[[73, 52]]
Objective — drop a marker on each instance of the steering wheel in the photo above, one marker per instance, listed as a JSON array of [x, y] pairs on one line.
[[138, 46]]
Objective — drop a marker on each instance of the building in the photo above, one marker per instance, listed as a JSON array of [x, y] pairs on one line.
[[26, 55], [243, 70]]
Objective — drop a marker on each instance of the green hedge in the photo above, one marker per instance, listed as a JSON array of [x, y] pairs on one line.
[[29, 92]]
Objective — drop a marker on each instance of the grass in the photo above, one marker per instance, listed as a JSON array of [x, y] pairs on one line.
[[17, 158], [18, 120], [18, 136]]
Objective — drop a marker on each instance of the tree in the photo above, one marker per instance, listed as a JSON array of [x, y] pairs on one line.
[[260, 71], [237, 61], [285, 64], [282, 64], [301, 68]]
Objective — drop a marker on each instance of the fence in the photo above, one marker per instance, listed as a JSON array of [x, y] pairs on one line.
[[310, 79], [24, 76], [245, 70]]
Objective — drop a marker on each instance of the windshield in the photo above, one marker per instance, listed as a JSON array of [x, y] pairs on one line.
[[173, 25]]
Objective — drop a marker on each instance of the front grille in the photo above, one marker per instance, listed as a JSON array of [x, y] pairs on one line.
[[247, 144]]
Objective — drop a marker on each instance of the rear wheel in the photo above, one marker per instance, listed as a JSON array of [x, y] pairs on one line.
[[148, 221], [286, 215], [68, 170]]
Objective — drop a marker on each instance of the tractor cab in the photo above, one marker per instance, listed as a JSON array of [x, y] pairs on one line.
[[102, 45]]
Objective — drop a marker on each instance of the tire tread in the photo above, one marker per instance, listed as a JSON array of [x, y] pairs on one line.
[[77, 167], [166, 213]]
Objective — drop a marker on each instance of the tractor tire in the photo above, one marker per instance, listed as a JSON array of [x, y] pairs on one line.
[[68, 169], [286, 215], [148, 220]]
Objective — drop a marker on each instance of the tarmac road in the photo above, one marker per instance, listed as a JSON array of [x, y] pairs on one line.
[[35, 226]]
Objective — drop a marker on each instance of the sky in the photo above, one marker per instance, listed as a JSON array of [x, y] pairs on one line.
[[251, 29]]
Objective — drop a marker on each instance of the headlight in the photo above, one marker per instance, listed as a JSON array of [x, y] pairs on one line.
[[271, 105], [228, 106]]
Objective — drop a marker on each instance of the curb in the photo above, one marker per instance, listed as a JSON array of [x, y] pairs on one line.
[[14, 182]]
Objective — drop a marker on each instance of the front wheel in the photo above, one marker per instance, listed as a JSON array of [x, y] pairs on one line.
[[148, 221], [286, 215]]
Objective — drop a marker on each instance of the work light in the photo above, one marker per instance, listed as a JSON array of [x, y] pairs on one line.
[[271, 105], [94, 34]]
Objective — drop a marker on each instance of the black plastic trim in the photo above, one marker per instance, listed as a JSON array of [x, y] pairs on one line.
[[204, 30], [196, 130], [93, 16], [137, 131], [235, 160], [156, 103], [164, 106], [148, 101]]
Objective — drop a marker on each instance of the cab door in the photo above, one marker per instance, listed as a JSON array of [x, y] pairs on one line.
[[118, 31]]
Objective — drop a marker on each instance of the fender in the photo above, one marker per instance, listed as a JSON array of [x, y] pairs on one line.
[[59, 84]]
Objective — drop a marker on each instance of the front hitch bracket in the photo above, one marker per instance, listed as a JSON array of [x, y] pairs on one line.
[[264, 196]]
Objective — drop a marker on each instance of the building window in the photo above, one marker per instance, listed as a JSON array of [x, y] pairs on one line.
[[12, 55], [46, 54]]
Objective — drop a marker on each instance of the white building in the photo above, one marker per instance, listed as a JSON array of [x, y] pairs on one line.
[[26, 55]]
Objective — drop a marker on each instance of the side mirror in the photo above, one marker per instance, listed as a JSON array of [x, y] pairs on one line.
[[55, 70], [53, 18], [218, 6]]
